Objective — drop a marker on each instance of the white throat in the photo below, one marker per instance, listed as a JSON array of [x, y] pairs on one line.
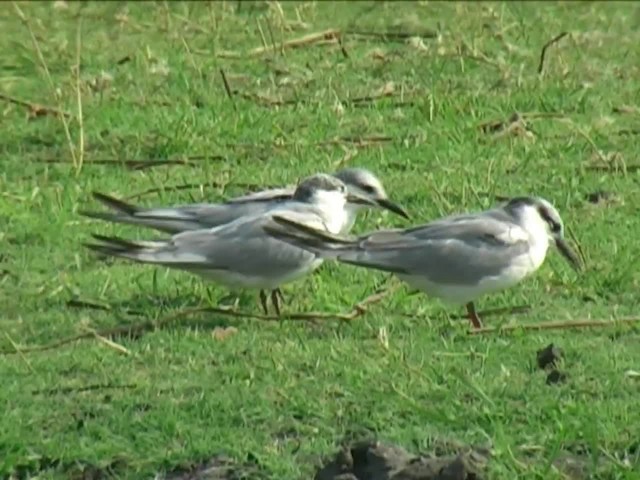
[[538, 231], [333, 208], [352, 213]]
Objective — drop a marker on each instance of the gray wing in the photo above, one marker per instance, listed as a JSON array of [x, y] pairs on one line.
[[273, 194], [180, 218], [241, 246], [198, 216], [454, 250]]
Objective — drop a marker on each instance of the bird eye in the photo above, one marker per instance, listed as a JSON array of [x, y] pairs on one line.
[[368, 189], [555, 227]]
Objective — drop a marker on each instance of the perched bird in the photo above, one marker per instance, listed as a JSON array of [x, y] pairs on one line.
[[180, 218], [240, 253], [456, 258]]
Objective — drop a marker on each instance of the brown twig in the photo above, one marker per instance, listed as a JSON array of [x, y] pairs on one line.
[[228, 89], [543, 53], [35, 109], [137, 329], [86, 388], [394, 36], [613, 168], [310, 39], [141, 164], [557, 325]]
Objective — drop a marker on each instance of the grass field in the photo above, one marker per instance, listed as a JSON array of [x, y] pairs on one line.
[[422, 93]]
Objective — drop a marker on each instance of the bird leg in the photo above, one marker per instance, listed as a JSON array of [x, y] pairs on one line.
[[276, 298], [280, 296], [263, 301], [473, 316]]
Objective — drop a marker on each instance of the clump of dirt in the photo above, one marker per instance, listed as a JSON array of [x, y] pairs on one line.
[[556, 376], [373, 460], [218, 467], [548, 356], [548, 359]]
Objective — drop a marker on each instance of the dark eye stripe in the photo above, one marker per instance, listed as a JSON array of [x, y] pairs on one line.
[[555, 226]]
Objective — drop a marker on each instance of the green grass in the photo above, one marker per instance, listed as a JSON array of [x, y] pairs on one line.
[[288, 393]]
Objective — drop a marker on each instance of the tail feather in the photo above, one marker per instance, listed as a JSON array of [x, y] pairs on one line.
[[167, 220], [120, 212], [116, 204], [151, 252], [118, 243]]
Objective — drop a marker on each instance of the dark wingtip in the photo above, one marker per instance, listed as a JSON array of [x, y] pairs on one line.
[[97, 215], [115, 203]]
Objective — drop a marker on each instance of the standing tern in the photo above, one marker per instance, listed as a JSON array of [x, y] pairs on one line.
[[456, 258], [180, 218], [241, 253]]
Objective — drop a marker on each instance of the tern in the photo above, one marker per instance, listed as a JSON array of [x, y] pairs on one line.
[[180, 218], [240, 253], [458, 258]]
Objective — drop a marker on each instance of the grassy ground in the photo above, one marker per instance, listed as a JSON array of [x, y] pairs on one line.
[[286, 394]]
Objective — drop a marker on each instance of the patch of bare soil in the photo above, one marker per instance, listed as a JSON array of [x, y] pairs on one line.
[[373, 460], [218, 467]]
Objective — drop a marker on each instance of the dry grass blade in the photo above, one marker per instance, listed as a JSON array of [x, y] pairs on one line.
[[107, 342], [80, 150], [227, 88], [43, 63], [19, 352]]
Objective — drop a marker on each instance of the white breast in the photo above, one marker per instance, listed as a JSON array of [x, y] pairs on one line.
[[533, 230]]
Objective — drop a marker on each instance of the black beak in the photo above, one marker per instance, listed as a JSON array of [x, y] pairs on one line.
[[393, 207], [569, 254], [360, 199]]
